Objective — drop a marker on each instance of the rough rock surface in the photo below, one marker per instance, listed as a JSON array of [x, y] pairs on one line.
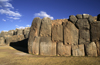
[[19, 31], [70, 33], [95, 34], [91, 49], [48, 48], [2, 41], [84, 33], [35, 46], [83, 24], [34, 32], [63, 49], [26, 32], [79, 16], [85, 16], [73, 19], [98, 17], [45, 27], [78, 50], [57, 33]]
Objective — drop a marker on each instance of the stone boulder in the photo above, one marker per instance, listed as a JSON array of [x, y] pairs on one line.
[[34, 32], [48, 48], [83, 24], [11, 32], [84, 33], [73, 19], [91, 49], [45, 30], [70, 33], [19, 31], [26, 32], [2, 41], [63, 50], [78, 50], [98, 17], [95, 34], [35, 46], [57, 33], [85, 16], [79, 16]]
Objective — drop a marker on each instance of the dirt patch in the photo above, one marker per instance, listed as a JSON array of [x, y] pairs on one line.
[[11, 56]]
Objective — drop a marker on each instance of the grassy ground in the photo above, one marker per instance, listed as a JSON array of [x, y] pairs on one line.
[[11, 56]]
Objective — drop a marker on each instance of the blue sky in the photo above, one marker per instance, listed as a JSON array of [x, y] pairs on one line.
[[20, 13]]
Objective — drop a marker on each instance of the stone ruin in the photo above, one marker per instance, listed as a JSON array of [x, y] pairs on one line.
[[77, 36]]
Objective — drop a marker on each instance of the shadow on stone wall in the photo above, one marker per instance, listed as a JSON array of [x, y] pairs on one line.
[[20, 45]]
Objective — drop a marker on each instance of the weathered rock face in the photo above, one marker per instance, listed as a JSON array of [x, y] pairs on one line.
[[34, 32], [84, 33], [48, 48], [57, 33], [2, 41], [91, 49], [35, 46], [95, 34], [73, 19], [19, 31], [78, 50], [70, 34], [26, 32], [98, 17], [14, 38], [45, 27], [85, 16], [63, 49], [79, 16]]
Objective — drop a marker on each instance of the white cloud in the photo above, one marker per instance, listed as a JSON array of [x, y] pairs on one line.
[[10, 13], [4, 20], [28, 25], [43, 14], [15, 18], [21, 27], [6, 9], [5, 4]]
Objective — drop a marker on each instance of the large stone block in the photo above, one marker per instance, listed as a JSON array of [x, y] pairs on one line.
[[85, 16], [83, 24], [63, 49], [48, 48], [19, 31], [45, 30], [79, 16], [95, 34], [34, 32], [57, 33], [84, 36], [2, 41], [78, 50], [70, 33], [35, 46], [98, 17], [26, 32], [91, 49], [73, 19]]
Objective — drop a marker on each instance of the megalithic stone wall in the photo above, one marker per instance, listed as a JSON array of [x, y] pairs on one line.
[[77, 36]]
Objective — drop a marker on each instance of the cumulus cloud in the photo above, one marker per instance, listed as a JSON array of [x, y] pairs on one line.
[[43, 14], [6, 4], [4, 20], [15, 18], [6, 9], [21, 27]]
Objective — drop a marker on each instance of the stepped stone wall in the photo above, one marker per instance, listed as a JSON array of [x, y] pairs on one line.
[[77, 36], [14, 36]]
